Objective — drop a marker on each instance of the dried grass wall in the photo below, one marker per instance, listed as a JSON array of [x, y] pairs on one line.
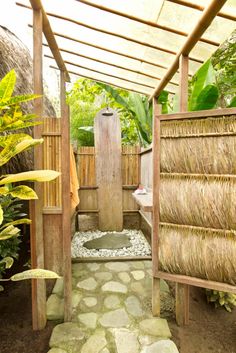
[[198, 198]]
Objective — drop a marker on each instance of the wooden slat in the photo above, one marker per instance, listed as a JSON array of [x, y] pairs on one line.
[[199, 114], [182, 290], [156, 149], [66, 203], [144, 201], [37, 242], [204, 22], [197, 282], [114, 258]]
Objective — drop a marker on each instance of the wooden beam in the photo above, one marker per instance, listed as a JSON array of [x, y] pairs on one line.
[[107, 82], [156, 160], [100, 30], [182, 290], [199, 114], [36, 4], [204, 22], [37, 242], [197, 282], [201, 8], [145, 22], [109, 63], [66, 203]]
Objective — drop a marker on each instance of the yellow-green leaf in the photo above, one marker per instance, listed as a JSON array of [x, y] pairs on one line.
[[8, 261], [35, 175], [17, 222], [7, 85], [36, 273], [1, 214], [23, 192], [4, 190], [9, 232]]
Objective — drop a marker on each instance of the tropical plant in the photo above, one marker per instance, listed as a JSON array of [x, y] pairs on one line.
[[12, 119], [221, 299]]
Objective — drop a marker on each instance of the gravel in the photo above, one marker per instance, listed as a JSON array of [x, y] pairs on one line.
[[140, 246]]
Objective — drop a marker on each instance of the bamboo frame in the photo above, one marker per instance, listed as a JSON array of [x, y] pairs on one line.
[[145, 22], [106, 63], [142, 60], [107, 82], [103, 73], [207, 16]]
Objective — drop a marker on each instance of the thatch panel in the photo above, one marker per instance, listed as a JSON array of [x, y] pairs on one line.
[[198, 252], [198, 200], [203, 146]]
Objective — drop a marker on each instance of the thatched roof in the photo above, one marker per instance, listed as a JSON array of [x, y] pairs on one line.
[[15, 55]]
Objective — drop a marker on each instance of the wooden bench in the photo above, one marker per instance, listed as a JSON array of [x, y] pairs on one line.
[[144, 201]]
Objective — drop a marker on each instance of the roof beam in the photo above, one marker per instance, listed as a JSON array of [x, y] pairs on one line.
[[103, 73], [111, 64], [47, 30], [204, 22], [100, 30], [102, 81], [148, 23], [201, 8]]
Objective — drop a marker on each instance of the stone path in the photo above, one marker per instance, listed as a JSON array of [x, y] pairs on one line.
[[111, 311]]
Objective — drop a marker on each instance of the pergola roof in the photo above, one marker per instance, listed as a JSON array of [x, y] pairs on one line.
[[133, 44]]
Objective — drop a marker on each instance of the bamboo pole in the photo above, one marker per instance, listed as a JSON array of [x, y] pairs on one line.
[[204, 22], [182, 290], [66, 205], [145, 22], [105, 81], [47, 30], [108, 63], [37, 242], [201, 8]]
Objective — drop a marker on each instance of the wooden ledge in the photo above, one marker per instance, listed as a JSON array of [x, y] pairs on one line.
[[144, 201]]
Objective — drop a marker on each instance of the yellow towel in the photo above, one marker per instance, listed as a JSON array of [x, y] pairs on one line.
[[74, 183]]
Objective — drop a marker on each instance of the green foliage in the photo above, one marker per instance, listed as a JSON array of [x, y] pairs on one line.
[[224, 63], [12, 118], [204, 92], [223, 299], [86, 98]]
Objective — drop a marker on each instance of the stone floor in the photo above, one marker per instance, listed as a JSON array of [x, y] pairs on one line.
[[111, 311]]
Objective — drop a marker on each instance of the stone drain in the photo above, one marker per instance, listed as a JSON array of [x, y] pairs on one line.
[[109, 315]]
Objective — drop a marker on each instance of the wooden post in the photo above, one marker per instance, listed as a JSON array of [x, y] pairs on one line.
[[36, 207], [156, 145], [182, 290], [66, 204], [108, 170]]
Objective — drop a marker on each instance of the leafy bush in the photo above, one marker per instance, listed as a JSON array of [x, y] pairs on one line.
[[12, 119], [224, 299]]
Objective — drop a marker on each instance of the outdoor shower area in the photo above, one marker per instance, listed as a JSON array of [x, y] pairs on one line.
[[182, 227]]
